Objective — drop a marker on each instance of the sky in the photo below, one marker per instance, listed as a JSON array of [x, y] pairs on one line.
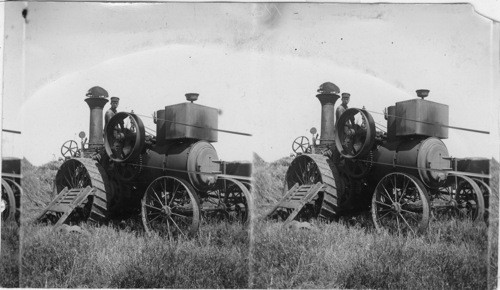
[[260, 64]]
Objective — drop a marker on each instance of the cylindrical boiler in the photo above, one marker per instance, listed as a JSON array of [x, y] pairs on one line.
[[194, 161], [424, 158]]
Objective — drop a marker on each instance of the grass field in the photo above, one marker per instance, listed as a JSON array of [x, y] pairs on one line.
[[9, 255], [124, 256], [112, 258], [454, 254]]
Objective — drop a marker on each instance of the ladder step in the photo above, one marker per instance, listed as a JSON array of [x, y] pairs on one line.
[[66, 201], [60, 208], [290, 204], [311, 194]]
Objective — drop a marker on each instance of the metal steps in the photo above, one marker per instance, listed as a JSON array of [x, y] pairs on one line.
[[296, 198], [66, 201]]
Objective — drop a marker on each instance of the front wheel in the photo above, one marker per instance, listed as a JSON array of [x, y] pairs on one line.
[[400, 204], [170, 208]]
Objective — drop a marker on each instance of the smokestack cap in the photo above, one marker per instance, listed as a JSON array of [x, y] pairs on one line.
[[192, 97], [346, 95], [328, 88], [97, 92], [423, 93]]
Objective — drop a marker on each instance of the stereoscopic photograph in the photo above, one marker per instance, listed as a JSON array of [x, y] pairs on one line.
[[249, 145]]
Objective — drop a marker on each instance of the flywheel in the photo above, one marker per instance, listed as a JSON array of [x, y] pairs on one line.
[[313, 168], [82, 172]]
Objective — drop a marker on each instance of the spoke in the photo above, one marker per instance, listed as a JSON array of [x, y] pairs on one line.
[[177, 227], [399, 227], [388, 212], [150, 206], [174, 192], [410, 212], [157, 216], [381, 203], [412, 215], [403, 191], [407, 224], [388, 195], [181, 216], [168, 230], [157, 197]]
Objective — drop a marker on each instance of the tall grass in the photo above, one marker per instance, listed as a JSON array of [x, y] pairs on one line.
[[112, 258], [339, 256], [37, 187], [9, 255]]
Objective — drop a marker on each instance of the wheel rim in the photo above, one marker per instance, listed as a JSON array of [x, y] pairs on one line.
[[170, 208], [469, 201], [354, 133], [231, 201], [17, 192], [400, 205], [237, 201], [8, 201], [486, 190], [463, 199], [69, 149]]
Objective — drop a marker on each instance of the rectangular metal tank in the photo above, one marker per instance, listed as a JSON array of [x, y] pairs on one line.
[[417, 116], [197, 116]]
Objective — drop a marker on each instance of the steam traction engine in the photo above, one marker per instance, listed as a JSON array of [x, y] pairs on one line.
[[174, 178], [11, 189], [10, 203], [404, 175]]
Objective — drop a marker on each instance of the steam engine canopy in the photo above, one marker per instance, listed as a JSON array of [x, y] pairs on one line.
[[197, 116], [417, 116]]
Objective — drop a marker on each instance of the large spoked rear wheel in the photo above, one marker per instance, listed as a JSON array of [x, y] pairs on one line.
[[170, 207], [80, 173], [311, 169], [400, 205]]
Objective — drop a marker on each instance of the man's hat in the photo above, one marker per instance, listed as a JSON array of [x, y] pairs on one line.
[[97, 92], [346, 95], [115, 99]]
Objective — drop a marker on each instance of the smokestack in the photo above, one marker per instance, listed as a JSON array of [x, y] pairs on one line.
[[96, 101], [96, 130], [328, 95]]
